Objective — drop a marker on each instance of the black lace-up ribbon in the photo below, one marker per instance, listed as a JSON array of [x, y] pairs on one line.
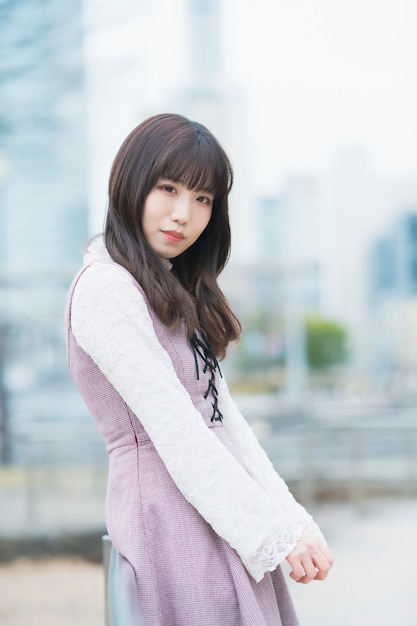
[[201, 347]]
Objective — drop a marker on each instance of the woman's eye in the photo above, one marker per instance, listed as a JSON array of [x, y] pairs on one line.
[[168, 188], [205, 200]]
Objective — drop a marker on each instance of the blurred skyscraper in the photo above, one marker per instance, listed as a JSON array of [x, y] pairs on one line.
[[43, 210], [393, 296], [406, 246], [212, 98], [382, 268], [393, 262]]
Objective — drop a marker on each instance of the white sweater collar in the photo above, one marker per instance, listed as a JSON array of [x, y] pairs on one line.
[[97, 251]]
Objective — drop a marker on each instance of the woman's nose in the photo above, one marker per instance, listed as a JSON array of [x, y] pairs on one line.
[[181, 211]]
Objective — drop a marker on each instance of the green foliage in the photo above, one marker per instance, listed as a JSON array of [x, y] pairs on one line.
[[325, 342]]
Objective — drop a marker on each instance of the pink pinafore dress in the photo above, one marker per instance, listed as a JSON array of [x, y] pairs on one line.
[[184, 573]]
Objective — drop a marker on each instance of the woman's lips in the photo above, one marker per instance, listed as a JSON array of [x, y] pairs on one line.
[[173, 235]]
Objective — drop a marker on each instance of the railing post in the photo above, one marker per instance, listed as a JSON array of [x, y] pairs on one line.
[[122, 604], [106, 548], [308, 483]]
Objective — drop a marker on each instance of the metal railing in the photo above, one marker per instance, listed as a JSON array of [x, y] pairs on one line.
[[347, 461], [58, 486], [122, 604]]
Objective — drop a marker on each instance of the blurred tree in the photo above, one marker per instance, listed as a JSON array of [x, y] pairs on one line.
[[326, 343]]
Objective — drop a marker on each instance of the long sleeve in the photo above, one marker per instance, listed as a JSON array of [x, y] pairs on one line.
[[257, 463], [111, 323]]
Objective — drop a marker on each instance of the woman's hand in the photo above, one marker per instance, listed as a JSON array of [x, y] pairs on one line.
[[310, 559]]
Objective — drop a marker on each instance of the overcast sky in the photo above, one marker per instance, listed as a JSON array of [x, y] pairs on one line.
[[317, 74], [321, 74]]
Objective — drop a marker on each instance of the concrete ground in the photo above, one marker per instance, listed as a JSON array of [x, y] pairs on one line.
[[59, 592], [372, 582]]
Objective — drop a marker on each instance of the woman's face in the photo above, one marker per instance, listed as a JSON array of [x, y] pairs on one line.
[[174, 217]]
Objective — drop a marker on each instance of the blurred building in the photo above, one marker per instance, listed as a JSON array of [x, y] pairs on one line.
[[43, 210], [43, 205], [405, 246], [283, 264], [393, 262], [280, 284], [393, 295], [214, 99], [382, 269]]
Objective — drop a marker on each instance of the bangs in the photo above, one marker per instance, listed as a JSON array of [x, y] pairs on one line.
[[198, 164]]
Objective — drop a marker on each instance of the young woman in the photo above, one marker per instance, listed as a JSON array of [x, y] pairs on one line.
[[194, 506]]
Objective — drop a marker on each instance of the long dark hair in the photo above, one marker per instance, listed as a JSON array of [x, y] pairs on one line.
[[172, 147]]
